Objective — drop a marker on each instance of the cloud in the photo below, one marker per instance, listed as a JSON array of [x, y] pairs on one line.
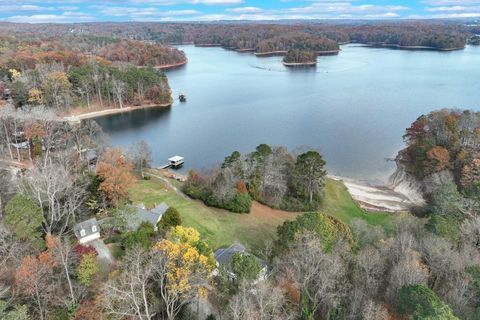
[[177, 2], [450, 9], [24, 7], [475, 9], [66, 17], [451, 2], [245, 10], [145, 14]]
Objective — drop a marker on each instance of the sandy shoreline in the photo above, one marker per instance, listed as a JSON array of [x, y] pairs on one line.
[[299, 64], [171, 66], [378, 197], [105, 112]]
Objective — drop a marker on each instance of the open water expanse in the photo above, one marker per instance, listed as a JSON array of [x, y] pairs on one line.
[[353, 107]]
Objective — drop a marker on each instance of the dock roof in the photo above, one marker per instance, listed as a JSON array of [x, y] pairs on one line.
[[176, 159]]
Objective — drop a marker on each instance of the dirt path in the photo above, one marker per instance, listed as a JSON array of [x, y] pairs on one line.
[[170, 185]]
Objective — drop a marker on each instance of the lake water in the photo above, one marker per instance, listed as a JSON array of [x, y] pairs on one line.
[[353, 107]]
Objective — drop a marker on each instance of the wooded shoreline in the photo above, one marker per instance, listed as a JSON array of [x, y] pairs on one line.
[[105, 112]]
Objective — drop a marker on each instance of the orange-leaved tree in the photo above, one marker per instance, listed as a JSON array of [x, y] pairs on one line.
[[34, 279], [115, 172]]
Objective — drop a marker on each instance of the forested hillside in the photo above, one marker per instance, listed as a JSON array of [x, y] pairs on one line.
[[92, 72], [442, 156]]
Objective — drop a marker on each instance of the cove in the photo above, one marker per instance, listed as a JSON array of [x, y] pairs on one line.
[[353, 107]]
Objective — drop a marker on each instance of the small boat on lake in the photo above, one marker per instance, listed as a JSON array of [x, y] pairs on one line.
[[182, 97]]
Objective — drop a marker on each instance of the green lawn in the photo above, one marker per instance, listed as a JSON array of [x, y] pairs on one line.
[[340, 204], [221, 228]]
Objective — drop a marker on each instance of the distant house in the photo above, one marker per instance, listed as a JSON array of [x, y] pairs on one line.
[[87, 231], [19, 141], [224, 257], [142, 215], [91, 156]]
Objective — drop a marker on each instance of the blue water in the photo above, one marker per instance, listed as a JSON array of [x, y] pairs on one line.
[[353, 107]]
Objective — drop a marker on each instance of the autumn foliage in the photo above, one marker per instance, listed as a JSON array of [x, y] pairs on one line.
[[115, 172], [438, 159]]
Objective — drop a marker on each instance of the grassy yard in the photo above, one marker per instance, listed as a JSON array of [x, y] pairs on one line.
[[340, 204], [221, 228]]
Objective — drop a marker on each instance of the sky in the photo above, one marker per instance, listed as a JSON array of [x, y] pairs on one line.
[[67, 11]]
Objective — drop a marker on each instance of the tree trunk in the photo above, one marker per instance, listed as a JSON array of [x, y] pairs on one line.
[[7, 137]]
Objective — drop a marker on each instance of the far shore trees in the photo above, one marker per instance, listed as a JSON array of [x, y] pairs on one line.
[[299, 57]]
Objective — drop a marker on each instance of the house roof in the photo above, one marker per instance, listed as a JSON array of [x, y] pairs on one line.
[[86, 225], [224, 256], [143, 215], [91, 155], [176, 159]]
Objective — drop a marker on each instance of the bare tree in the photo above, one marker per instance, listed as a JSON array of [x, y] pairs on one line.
[[141, 155], [409, 270], [62, 252], [119, 90], [130, 292], [374, 311], [320, 276], [58, 191], [97, 80]]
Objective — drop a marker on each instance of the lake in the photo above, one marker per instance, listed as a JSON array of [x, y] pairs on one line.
[[353, 107]]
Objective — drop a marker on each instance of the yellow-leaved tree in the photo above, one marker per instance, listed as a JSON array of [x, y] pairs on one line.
[[174, 271], [188, 265]]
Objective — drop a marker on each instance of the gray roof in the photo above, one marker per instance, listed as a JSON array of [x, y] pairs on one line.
[[152, 216], [224, 256], [91, 155], [86, 225]]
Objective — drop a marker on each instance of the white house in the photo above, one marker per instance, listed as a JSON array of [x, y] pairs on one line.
[[87, 231]]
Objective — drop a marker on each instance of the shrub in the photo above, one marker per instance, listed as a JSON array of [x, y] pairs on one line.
[[420, 302], [241, 203], [142, 237], [447, 227], [171, 218], [87, 269], [81, 250], [327, 228], [245, 266]]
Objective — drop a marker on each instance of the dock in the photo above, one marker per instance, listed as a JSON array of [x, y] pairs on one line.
[[174, 162]]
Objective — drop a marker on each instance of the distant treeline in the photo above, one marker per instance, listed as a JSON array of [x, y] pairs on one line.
[[266, 37]]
